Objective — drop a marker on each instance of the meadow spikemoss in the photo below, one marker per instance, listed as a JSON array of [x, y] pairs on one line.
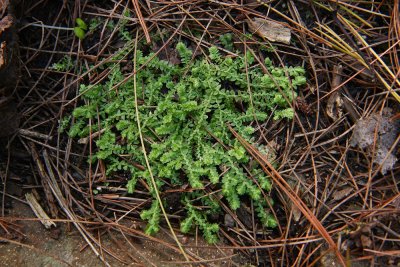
[[184, 111]]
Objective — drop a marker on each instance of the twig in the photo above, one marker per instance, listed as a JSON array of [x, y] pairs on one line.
[[34, 134], [39, 212]]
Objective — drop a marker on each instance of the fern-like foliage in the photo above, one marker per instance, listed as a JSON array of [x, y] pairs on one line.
[[184, 111], [198, 217]]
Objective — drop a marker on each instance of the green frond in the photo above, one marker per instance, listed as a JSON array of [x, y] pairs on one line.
[[184, 111]]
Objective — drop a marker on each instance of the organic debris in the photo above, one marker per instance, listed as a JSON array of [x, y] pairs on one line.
[[324, 190], [378, 133], [38, 210], [270, 30], [8, 48]]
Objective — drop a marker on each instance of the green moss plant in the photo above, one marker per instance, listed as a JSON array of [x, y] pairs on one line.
[[184, 111]]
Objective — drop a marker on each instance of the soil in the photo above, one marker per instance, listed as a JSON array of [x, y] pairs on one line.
[[64, 246], [41, 247]]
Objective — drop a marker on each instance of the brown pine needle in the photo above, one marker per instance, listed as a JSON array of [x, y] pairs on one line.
[[136, 6], [284, 186]]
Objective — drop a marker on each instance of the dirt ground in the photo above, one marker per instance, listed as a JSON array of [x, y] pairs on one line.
[[41, 247], [63, 246]]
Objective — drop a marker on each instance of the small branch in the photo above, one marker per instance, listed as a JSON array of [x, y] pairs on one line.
[[34, 134], [85, 140], [39, 212]]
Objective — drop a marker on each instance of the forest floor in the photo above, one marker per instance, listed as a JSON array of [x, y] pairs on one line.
[[317, 164]]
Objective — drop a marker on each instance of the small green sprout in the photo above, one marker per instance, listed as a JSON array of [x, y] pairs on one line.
[[80, 30], [81, 24]]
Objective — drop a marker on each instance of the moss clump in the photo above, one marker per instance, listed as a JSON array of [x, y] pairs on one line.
[[184, 109]]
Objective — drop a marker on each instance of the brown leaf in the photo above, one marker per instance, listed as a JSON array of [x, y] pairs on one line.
[[3, 7], [379, 146], [366, 242], [296, 213], [2, 54], [334, 107], [342, 193], [270, 30], [329, 259], [6, 23]]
